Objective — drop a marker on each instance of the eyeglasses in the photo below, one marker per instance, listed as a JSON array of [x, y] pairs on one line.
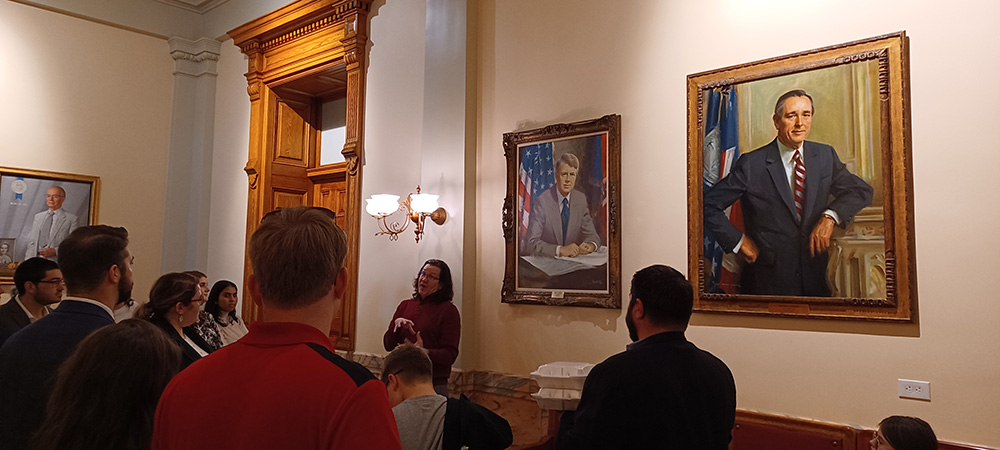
[[53, 281], [429, 276]]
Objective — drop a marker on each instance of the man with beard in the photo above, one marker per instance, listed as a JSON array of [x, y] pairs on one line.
[[39, 284], [662, 392], [97, 268]]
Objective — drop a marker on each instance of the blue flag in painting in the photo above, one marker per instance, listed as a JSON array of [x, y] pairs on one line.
[[721, 150]]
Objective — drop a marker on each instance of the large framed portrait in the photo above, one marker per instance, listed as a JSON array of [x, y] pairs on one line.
[[800, 193], [560, 217], [38, 209]]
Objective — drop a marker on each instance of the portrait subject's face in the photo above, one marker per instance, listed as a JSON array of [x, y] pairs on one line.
[[794, 122], [54, 198], [565, 178], [3, 248]]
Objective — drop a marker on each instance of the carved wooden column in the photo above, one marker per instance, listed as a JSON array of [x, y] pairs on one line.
[[300, 56], [355, 39]]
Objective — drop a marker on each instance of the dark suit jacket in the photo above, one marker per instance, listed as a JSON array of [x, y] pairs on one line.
[[759, 181], [188, 354], [12, 319], [545, 223], [29, 361], [662, 394]]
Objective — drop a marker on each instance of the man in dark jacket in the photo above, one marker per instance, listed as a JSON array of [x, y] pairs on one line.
[[97, 267], [662, 392], [39, 283]]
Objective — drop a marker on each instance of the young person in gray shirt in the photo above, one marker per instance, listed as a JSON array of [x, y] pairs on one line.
[[428, 421]]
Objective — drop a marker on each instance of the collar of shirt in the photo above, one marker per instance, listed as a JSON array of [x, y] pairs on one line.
[[563, 196], [31, 318], [786, 160], [111, 313], [284, 333]]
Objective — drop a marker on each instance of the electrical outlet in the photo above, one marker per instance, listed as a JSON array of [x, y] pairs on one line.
[[920, 390]]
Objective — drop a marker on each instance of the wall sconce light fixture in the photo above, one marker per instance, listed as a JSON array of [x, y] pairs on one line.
[[417, 207]]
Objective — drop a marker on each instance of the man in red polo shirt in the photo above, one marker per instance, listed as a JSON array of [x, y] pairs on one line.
[[281, 385]]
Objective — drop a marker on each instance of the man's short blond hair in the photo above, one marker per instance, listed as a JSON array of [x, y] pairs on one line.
[[296, 254], [569, 159]]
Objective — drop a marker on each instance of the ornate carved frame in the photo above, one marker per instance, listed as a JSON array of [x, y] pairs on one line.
[[511, 292], [300, 56], [891, 53]]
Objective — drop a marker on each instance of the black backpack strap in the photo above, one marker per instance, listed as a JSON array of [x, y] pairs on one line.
[[356, 371]]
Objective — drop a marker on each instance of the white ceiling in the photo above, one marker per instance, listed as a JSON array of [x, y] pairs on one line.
[[190, 19], [198, 6]]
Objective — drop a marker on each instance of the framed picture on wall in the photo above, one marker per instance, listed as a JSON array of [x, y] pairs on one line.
[[800, 193], [38, 209], [560, 216]]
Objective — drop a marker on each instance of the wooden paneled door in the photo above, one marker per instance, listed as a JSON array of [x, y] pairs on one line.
[[300, 57]]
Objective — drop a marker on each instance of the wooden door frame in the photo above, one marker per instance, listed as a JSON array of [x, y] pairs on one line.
[[308, 49]]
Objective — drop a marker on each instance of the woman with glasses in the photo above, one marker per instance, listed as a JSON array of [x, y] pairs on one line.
[[430, 320], [174, 303], [222, 307], [903, 433]]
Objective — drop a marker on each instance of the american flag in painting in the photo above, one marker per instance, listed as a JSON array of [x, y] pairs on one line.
[[721, 152], [536, 175]]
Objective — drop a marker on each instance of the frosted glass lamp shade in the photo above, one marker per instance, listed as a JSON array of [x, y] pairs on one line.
[[382, 204], [424, 203]]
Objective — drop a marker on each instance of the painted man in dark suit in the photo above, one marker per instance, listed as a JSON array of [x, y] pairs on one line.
[[97, 268], [792, 193], [39, 284], [560, 222], [663, 392]]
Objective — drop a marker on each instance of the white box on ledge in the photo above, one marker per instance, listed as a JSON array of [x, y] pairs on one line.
[[562, 375], [557, 399]]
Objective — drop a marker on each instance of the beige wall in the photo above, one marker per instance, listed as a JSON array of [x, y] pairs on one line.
[[543, 62], [414, 134], [227, 228], [90, 99]]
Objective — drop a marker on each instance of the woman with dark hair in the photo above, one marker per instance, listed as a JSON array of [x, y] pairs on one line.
[[903, 433], [222, 306], [430, 320], [174, 303], [205, 327], [105, 394]]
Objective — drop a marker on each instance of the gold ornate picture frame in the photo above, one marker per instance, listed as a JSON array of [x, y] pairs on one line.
[[23, 197], [561, 215], [742, 195]]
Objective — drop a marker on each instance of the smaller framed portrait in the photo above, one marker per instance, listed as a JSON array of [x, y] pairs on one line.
[[560, 216], [38, 209]]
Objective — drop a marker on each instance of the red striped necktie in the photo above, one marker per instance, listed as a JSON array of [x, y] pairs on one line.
[[800, 184]]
